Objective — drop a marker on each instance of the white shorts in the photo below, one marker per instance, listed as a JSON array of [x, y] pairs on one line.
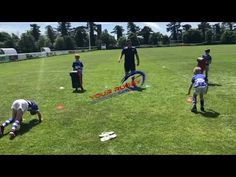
[[200, 90], [20, 105]]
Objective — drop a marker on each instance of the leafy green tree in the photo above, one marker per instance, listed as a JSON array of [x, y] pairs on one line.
[[146, 32], [118, 30], [59, 43], [165, 39], [4, 36], [64, 28], [80, 36], [209, 36], [51, 34], [155, 38], [27, 43], [228, 37], [40, 42], [134, 39], [132, 28], [35, 32], [69, 43], [108, 39], [217, 31], [48, 43], [9, 43], [43, 42], [132, 32], [173, 27], [229, 25], [121, 42], [2, 45], [186, 27], [192, 36], [203, 27], [15, 40], [98, 43]]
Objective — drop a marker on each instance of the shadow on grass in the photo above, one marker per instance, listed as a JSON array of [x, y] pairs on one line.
[[133, 89], [26, 127], [139, 89], [79, 91], [214, 84], [210, 114]]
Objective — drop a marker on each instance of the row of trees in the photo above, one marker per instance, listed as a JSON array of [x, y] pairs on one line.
[[205, 33], [139, 36], [64, 37]]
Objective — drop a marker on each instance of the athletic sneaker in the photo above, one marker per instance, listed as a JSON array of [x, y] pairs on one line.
[[103, 134], [194, 109], [12, 135], [202, 109], [1, 130], [108, 137]]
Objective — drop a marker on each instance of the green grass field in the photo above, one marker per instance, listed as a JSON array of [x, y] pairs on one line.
[[157, 120]]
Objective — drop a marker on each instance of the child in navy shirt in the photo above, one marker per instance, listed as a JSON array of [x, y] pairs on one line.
[[78, 66]]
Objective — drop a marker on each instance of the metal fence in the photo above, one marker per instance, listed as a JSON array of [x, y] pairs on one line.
[[34, 55]]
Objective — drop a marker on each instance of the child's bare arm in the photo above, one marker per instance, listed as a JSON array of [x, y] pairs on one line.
[[120, 57], [189, 90], [39, 116]]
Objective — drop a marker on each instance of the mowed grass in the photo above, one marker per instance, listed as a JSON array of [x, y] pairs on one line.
[[157, 120]]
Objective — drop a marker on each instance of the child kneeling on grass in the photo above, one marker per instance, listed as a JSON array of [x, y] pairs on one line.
[[19, 107], [199, 82]]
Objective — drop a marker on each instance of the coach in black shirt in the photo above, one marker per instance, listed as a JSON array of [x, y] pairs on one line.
[[129, 53]]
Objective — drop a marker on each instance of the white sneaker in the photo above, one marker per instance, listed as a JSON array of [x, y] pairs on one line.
[[12, 135], [108, 137], [103, 134]]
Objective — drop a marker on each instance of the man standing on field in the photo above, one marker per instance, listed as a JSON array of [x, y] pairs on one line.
[[129, 51]]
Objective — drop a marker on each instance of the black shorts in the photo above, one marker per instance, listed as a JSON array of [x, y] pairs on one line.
[[129, 68]]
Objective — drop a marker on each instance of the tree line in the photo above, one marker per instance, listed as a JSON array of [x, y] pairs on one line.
[[64, 37], [219, 33]]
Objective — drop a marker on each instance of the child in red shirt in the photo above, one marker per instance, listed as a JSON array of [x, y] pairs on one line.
[[201, 62]]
